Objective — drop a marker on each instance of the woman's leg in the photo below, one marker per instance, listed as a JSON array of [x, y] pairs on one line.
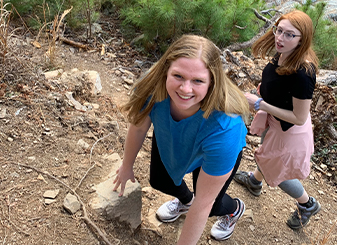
[[229, 210], [258, 175], [161, 180], [306, 207], [294, 188], [223, 204]]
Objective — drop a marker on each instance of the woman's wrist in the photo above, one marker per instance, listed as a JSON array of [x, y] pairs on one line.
[[257, 104]]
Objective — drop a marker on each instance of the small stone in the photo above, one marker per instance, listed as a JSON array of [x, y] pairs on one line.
[[321, 192], [14, 174], [128, 81], [147, 189], [53, 74], [52, 194], [71, 204], [252, 228], [48, 201], [249, 213], [2, 113], [40, 177], [10, 139], [82, 144], [32, 158]]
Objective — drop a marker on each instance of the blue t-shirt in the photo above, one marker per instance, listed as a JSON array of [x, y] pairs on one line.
[[213, 143]]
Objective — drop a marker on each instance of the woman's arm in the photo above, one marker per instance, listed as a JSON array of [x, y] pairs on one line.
[[297, 116], [208, 188], [133, 142]]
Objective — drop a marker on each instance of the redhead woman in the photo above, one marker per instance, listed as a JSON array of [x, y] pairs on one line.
[[283, 118]]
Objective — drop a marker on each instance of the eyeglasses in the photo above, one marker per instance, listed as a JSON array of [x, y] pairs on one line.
[[287, 35]]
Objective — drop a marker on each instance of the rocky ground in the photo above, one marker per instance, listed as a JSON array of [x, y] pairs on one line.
[[39, 151]]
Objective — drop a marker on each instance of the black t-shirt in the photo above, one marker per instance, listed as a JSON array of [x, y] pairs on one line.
[[279, 90]]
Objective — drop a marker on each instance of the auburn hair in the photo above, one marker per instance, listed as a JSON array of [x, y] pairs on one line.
[[303, 55]]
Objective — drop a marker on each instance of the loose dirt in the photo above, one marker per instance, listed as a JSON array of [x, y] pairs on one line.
[[41, 131]]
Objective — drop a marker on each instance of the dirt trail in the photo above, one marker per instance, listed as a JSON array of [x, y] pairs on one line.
[[42, 133]]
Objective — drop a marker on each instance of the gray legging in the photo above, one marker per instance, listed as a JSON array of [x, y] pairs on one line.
[[292, 187]]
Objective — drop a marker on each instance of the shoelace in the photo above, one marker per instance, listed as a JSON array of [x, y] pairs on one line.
[[302, 215], [224, 221], [174, 205]]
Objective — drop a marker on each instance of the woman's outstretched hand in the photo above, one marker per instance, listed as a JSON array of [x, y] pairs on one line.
[[123, 175], [251, 98]]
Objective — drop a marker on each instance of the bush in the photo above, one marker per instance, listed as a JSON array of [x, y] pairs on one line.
[[161, 21], [325, 34]]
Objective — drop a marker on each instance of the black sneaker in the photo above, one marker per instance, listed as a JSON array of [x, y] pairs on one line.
[[301, 216], [242, 178]]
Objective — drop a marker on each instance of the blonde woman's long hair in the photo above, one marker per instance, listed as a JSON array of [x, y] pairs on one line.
[[302, 56], [223, 94]]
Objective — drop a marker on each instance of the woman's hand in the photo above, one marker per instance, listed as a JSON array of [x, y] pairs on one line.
[[258, 89], [133, 142], [123, 175], [251, 98]]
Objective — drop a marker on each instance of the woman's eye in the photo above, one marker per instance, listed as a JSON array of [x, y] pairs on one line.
[[289, 35], [198, 81], [279, 31], [177, 76]]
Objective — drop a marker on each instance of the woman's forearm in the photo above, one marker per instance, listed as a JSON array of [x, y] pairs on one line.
[[298, 118], [194, 224]]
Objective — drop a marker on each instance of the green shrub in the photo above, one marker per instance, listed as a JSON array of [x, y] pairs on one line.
[[226, 21], [325, 35], [161, 21]]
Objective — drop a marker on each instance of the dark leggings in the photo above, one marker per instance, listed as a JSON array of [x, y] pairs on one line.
[[161, 180]]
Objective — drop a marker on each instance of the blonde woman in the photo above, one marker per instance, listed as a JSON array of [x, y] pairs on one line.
[[288, 82], [197, 114]]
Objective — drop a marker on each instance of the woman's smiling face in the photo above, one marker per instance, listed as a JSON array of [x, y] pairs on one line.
[[187, 84]]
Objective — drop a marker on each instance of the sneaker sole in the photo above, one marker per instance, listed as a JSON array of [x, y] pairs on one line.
[[301, 226], [172, 219]]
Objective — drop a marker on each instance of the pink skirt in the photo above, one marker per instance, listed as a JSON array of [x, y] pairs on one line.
[[283, 155]]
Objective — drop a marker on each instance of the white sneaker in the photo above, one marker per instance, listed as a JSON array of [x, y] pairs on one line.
[[171, 210], [224, 227]]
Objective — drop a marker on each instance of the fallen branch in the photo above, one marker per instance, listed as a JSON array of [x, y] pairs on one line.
[[85, 217], [267, 11], [90, 161], [72, 43], [9, 218], [249, 43]]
